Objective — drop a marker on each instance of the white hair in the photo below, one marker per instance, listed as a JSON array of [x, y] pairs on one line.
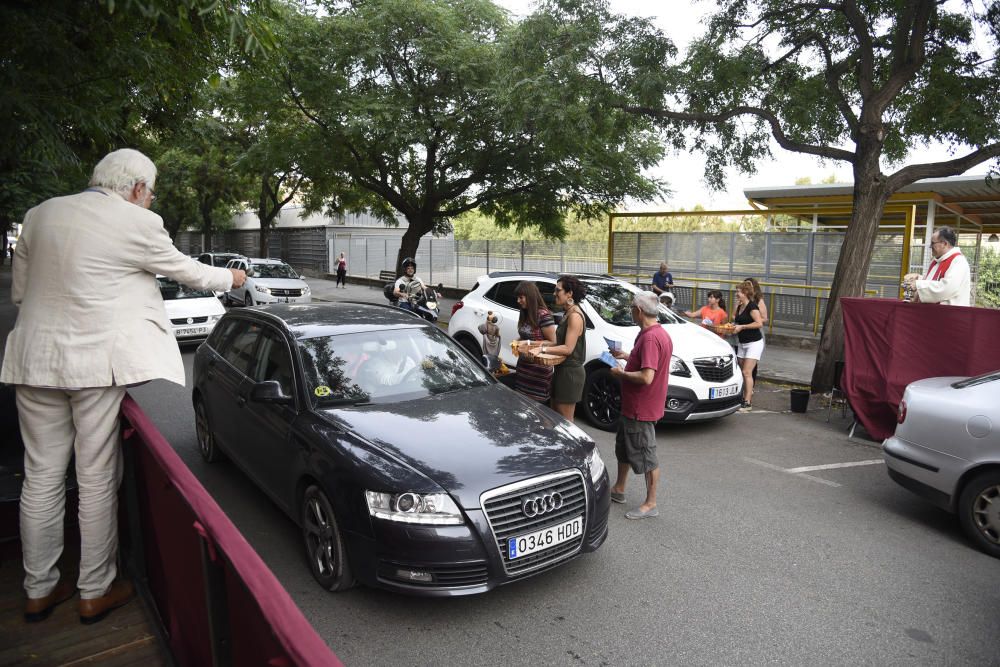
[[647, 303], [122, 169]]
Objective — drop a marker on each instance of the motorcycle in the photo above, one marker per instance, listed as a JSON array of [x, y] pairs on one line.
[[422, 300]]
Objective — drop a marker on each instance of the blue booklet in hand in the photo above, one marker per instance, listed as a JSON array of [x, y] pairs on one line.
[[608, 359], [613, 344]]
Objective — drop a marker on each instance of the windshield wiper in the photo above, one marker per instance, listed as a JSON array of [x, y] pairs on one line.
[[334, 402]]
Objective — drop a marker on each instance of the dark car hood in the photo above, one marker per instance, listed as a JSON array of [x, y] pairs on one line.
[[470, 441]]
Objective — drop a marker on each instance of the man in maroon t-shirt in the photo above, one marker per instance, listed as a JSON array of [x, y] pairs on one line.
[[644, 391]]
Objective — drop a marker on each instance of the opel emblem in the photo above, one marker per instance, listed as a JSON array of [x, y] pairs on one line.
[[539, 505], [720, 362]]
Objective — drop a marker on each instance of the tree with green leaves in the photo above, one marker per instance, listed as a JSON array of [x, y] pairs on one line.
[[988, 279], [199, 185], [267, 128], [433, 108], [83, 78], [866, 82]]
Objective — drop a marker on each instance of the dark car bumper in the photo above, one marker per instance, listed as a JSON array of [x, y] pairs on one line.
[[445, 561], [683, 405]]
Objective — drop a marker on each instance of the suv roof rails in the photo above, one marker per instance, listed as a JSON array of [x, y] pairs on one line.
[[548, 274]]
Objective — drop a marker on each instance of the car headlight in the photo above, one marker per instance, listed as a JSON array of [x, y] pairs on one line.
[[679, 368], [262, 289], [306, 290], [432, 508], [596, 465]]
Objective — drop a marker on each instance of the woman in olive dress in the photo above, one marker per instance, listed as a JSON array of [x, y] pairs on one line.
[[569, 377]]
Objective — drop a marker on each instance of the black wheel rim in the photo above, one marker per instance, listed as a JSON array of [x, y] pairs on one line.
[[604, 400], [986, 513], [248, 301], [204, 435], [319, 537]]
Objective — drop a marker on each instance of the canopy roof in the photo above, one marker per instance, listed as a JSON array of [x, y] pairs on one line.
[[972, 199]]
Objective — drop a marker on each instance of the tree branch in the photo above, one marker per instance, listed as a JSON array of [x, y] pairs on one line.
[[763, 114], [916, 172], [833, 73], [866, 52], [908, 56]]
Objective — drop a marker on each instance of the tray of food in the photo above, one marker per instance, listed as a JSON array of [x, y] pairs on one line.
[[519, 347], [724, 329], [547, 359]]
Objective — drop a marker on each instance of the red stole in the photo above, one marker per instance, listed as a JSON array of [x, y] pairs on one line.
[[942, 268]]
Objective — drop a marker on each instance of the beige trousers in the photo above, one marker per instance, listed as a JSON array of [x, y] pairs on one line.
[[55, 423]]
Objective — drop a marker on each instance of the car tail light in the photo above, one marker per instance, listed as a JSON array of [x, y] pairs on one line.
[[901, 415], [456, 307]]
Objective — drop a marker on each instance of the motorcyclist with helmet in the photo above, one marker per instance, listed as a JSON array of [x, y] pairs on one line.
[[408, 286]]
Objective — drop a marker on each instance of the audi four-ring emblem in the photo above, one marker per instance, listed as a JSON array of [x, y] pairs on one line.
[[539, 505]]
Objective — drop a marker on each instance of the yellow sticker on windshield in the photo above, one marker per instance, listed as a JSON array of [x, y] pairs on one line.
[[427, 364], [322, 391]]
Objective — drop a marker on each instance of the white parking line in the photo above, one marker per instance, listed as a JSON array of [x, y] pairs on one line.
[[831, 466], [771, 466]]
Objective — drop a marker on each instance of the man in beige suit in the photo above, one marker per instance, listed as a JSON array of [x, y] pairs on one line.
[[90, 323]]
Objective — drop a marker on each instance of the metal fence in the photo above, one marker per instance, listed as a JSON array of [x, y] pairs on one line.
[[794, 267], [305, 248]]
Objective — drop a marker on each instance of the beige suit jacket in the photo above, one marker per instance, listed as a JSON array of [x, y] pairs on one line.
[[90, 312]]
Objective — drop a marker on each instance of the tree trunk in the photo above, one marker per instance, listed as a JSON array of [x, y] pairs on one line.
[[411, 240], [262, 214], [851, 276]]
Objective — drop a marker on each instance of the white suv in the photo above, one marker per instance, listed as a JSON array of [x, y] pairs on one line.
[[705, 382], [268, 281]]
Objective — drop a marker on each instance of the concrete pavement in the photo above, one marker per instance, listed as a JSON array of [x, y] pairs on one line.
[[781, 364]]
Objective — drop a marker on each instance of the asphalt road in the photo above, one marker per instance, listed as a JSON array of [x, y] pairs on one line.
[[747, 563]]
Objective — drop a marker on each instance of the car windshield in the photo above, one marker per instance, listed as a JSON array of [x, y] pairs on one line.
[[993, 376], [172, 290], [613, 302], [274, 271], [388, 365]]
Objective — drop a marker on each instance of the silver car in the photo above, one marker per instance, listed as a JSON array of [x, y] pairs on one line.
[[947, 449]]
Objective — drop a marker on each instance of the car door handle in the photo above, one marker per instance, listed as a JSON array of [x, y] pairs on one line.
[[241, 401]]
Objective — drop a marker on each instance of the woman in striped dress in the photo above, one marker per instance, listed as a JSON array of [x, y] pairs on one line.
[[535, 324]]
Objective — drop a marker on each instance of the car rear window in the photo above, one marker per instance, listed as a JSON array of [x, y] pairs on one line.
[[992, 376]]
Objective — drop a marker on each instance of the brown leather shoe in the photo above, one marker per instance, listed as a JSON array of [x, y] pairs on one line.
[[94, 610], [38, 609]]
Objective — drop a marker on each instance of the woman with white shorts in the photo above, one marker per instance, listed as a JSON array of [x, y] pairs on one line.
[[749, 323]]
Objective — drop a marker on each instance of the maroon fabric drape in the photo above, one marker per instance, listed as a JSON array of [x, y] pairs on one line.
[[266, 626], [889, 344]]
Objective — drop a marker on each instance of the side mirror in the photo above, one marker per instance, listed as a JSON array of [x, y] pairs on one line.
[[269, 391]]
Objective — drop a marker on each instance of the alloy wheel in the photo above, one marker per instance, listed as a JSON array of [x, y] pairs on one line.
[[986, 513]]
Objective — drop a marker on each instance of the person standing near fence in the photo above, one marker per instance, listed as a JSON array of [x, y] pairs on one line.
[[663, 280], [712, 314], [535, 323], [90, 323], [751, 346], [342, 271]]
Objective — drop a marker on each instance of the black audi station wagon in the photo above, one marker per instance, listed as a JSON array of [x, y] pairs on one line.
[[407, 466]]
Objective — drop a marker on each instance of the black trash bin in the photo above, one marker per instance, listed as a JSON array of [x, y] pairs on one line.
[[800, 400]]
